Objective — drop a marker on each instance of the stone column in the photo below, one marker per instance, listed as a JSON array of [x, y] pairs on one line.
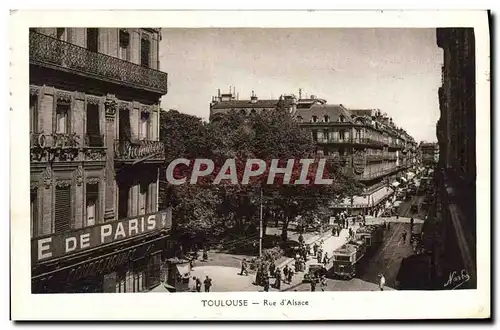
[[109, 201]]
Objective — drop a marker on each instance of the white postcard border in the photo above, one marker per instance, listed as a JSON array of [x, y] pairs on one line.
[[188, 306]]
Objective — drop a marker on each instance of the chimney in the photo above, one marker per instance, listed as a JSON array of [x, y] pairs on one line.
[[253, 98], [218, 92], [300, 93]]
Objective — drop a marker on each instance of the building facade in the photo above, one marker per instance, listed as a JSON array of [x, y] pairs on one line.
[[226, 102], [454, 244], [95, 157], [429, 153], [366, 142]]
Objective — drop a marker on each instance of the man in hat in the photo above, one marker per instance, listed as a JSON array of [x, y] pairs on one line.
[[322, 282]]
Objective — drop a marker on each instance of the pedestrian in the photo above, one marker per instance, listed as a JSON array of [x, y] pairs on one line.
[[266, 284], [285, 272], [301, 239], [381, 282], [244, 267], [322, 283], [290, 276], [208, 283], [313, 284], [325, 259], [272, 268], [320, 253], [315, 248], [197, 284], [403, 236], [205, 255], [277, 284]]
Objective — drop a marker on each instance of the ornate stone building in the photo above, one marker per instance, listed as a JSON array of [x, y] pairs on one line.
[[366, 142], [95, 156]]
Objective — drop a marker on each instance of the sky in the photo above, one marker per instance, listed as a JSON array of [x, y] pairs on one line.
[[395, 70]]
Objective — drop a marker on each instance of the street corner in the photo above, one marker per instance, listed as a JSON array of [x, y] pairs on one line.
[[226, 279]]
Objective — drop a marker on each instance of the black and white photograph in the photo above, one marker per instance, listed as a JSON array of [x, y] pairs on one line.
[[202, 160]]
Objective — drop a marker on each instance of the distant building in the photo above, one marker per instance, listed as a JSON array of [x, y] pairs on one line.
[[429, 153], [367, 143], [225, 102]]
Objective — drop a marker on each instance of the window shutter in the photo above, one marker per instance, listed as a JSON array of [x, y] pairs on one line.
[[62, 209]]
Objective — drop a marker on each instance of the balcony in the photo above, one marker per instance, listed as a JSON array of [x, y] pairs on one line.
[[137, 151], [337, 140], [62, 147], [53, 53]]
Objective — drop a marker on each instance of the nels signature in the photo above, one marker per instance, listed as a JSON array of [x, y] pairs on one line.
[[456, 279]]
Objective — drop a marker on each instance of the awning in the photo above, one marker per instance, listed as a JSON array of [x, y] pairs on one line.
[[395, 184], [183, 269], [364, 201]]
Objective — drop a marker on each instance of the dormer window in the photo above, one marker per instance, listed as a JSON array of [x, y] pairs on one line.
[[314, 119], [299, 119], [327, 119], [341, 118], [243, 112]]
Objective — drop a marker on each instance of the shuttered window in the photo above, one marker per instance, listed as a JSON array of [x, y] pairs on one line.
[[33, 113], [93, 127], [34, 211], [62, 209], [145, 51]]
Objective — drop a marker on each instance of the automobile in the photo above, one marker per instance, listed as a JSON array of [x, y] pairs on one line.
[[290, 247], [315, 271]]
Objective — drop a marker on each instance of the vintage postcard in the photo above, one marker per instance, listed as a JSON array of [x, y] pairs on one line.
[[241, 165]]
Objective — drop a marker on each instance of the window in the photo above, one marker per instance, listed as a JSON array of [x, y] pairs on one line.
[[144, 128], [315, 136], [299, 119], [91, 202], [314, 119], [62, 208], [33, 114], [145, 51], [143, 198], [123, 199], [342, 134], [93, 40], [34, 211], [124, 45], [341, 118], [61, 34], [93, 128], [62, 118], [327, 119]]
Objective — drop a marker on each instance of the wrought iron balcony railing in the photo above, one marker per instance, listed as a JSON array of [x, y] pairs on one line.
[[48, 51], [46, 147], [136, 150]]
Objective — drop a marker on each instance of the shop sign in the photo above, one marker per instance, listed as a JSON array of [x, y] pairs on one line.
[[58, 245]]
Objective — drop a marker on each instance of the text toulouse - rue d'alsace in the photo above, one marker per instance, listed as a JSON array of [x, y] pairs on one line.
[[244, 303]]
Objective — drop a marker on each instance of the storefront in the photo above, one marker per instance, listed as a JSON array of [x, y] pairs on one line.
[[133, 264]]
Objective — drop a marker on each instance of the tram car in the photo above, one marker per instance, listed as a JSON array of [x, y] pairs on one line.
[[347, 257], [372, 235]]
